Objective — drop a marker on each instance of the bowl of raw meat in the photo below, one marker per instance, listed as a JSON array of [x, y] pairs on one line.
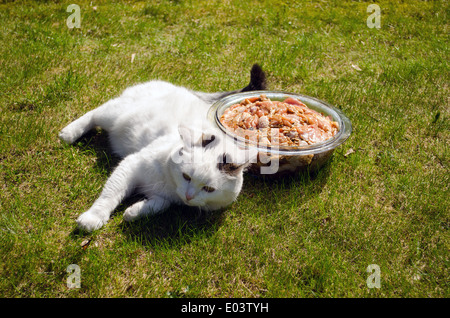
[[290, 132]]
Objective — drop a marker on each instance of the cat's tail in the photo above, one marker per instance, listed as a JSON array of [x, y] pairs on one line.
[[257, 82], [257, 79]]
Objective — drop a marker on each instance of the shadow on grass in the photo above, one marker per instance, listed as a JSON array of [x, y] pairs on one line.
[[97, 142], [177, 226], [270, 191]]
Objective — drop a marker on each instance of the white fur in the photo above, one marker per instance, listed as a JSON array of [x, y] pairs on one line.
[[148, 125]]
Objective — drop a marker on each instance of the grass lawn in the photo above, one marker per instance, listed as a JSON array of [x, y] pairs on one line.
[[382, 199]]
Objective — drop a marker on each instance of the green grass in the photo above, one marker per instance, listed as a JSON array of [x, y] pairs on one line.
[[304, 236]]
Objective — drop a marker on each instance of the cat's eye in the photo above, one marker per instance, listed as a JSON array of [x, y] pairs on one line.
[[208, 189], [186, 177]]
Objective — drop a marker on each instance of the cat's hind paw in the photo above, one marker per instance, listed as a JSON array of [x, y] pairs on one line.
[[133, 212], [139, 209], [89, 221], [68, 135]]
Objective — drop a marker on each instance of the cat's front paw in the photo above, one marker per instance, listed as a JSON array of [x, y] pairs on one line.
[[89, 221]]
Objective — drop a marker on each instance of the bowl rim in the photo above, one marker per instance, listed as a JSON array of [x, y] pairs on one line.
[[345, 127]]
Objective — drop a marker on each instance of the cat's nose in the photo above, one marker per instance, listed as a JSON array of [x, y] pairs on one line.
[[189, 197]]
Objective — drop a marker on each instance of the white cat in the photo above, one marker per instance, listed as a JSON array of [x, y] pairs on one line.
[[171, 153]]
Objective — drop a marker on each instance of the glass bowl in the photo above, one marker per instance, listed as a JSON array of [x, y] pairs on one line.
[[279, 160]]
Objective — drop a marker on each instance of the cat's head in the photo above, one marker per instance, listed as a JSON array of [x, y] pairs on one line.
[[208, 169]]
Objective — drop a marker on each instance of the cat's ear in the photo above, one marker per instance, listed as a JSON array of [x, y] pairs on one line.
[[207, 138], [188, 135], [193, 137], [227, 166]]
